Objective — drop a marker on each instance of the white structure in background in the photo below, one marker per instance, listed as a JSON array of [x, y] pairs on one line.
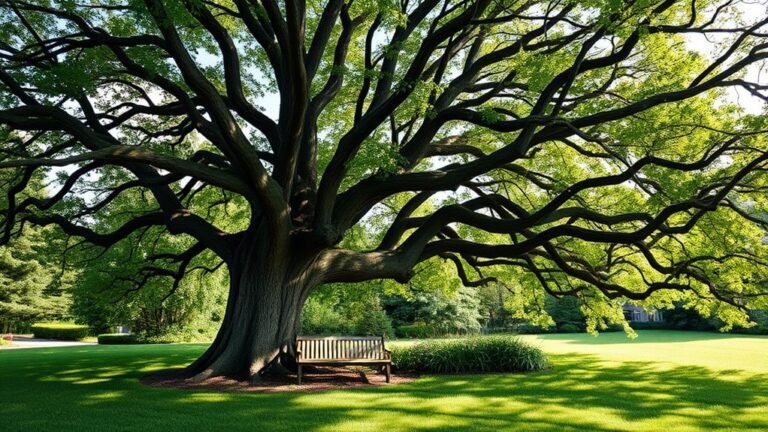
[[638, 314]]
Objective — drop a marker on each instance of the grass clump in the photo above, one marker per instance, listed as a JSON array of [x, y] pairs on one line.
[[469, 355], [61, 331]]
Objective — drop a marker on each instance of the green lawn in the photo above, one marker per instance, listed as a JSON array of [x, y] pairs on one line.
[[662, 381]]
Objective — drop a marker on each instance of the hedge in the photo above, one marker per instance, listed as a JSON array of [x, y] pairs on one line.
[[61, 331], [118, 339]]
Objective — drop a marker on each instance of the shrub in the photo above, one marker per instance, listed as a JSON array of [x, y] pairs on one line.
[[417, 330], [470, 355], [375, 322], [446, 312], [682, 318], [320, 318], [566, 310], [650, 325], [118, 339], [569, 328], [760, 318], [527, 328], [61, 331], [422, 330], [612, 328], [177, 334]]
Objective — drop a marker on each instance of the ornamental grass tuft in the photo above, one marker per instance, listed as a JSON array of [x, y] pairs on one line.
[[500, 353]]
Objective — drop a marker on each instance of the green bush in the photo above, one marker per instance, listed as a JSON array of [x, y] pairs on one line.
[[375, 322], [527, 328], [566, 310], [569, 328], [177, 334], [422, 330], [760, 318], [650, 325], [320, 318], [61, 331], [118, 339], [416, 330], [470, 355]]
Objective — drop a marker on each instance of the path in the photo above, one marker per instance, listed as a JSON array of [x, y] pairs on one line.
[[21, 342]]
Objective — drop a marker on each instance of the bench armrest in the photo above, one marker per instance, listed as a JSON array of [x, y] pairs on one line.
[[298, 354]]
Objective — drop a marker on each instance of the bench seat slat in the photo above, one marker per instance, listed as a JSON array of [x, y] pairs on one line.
[[344, 361]]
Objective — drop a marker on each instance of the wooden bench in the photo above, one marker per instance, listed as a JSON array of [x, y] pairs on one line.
[[342, 351]]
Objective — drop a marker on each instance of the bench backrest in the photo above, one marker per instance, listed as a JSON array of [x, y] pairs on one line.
[[341, 347]]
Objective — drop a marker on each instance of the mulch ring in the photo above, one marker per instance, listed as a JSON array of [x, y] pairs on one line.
[[314, 379]]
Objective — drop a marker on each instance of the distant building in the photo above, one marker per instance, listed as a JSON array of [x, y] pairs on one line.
[[122, 329], [638, 314]]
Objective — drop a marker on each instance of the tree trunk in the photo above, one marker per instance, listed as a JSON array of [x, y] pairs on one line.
[[267, 292]]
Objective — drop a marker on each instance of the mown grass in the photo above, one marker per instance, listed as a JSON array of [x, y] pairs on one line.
[[661, 381]]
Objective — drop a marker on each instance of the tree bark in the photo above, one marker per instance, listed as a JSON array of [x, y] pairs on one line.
[[267, 291]]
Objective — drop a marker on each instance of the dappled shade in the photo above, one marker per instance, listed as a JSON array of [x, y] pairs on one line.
[[581, 148], [87, 388]]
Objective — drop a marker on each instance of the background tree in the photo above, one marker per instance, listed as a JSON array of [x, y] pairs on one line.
[[33, 286], [105, 295], [566, 313], [115, 287], [586, 146], [493, 301]]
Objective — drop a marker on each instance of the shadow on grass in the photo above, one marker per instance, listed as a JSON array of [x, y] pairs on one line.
[[97, 389]]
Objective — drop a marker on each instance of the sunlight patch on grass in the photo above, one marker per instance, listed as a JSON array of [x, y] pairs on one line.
[[112, 374], [712, 350], [102, 397], [91, 381], [205, 397], [158, 366]]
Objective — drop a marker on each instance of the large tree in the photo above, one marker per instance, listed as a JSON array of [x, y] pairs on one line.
[[597, 146]]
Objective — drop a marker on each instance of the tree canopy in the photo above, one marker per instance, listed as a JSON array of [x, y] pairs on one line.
[[593, 148]]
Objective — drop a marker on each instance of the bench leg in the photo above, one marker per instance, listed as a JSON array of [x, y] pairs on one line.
[[389, 371], [299, 374]]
